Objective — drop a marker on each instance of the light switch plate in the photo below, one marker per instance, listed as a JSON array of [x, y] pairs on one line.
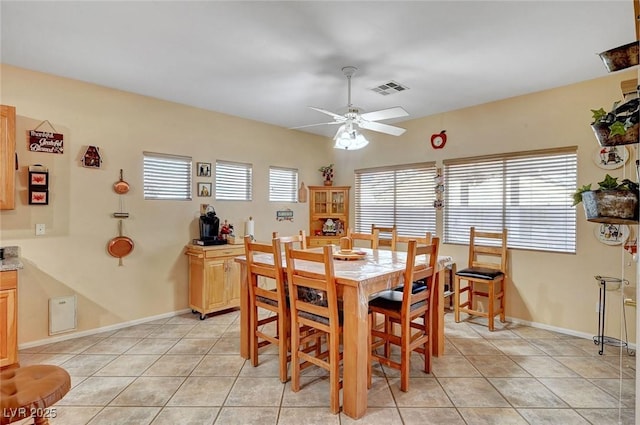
[[40, 229]]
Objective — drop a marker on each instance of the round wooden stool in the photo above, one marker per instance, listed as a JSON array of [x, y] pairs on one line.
[[30, 391]]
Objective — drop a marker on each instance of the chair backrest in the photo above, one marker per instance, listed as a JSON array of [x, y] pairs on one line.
[[372, 238], [300, 238], [387, 235], [421, 266], [321, 311], [488, 249], [425, 240], [268, 265]]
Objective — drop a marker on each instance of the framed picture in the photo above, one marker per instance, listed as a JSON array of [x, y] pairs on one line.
[[204, 169], [38, 198], [204, 189], [38, 179]]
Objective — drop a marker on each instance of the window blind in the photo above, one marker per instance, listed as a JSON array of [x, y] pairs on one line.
[[233, 181], [529, 193], [166, 176], [283, 184], [400, 195]]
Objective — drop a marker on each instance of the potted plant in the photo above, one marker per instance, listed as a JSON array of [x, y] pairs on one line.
[[327, 174], [618, 127], [612, 202]]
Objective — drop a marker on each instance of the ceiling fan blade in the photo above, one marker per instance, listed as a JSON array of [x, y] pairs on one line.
[[382, 128], [313, 125], [337, 117], [385, 114]]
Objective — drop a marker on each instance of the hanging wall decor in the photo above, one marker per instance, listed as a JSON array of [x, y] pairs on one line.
[[285, 214], [38, 185], [438, 181], [91, 157], [45, 141]]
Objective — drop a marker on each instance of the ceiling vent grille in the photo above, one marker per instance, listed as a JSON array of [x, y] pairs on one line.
[[390, 87]]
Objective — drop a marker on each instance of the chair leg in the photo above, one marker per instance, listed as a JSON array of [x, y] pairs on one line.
[[334, 373], [503, 287], [295, 362], [456, 298], [428, 344], [491, 306], [282, 346], [253, 342], [405, 355]]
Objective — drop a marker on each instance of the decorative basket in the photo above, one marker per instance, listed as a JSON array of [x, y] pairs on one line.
[[620, 57], [602, 132], [611, 206]]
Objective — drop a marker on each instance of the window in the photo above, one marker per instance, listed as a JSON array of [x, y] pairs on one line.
[[167, 176], [233, 181], [528, 193], [283, 184], [402, 195]]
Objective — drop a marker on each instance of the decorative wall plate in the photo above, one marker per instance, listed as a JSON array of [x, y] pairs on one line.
[[611, 157], [612, 234]]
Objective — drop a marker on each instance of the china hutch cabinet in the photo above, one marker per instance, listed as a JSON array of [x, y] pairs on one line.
[[328, 214]]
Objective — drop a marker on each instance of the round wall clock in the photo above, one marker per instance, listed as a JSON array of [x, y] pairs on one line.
[[438, 140]]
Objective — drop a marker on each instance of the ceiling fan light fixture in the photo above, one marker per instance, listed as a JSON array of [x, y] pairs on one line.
[[348, 138]]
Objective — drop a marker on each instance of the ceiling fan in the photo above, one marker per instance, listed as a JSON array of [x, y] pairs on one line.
[[355, 118]]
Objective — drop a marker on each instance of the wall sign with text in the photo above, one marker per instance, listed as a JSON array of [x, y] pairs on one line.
[[45, 141]]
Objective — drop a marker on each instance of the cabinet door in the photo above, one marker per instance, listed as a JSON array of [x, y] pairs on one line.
[[232, 282], [320, 201], [214, 290], [8, 326], [337, 202], [7, 157]]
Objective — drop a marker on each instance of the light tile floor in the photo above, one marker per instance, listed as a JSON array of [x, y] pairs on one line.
[[184, 370]]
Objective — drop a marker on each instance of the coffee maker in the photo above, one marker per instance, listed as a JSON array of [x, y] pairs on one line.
[[209, 228]]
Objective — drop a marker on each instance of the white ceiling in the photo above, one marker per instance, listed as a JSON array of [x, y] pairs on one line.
[[269, 60]]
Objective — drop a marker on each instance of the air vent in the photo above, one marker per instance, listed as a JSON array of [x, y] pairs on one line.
[[389, 88]]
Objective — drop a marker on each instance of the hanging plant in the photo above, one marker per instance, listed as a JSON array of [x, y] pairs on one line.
[[618, 127]]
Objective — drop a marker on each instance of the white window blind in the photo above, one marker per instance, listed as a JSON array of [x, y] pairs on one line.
[[283, 184], [527, 193], [234, 181], [401, 195], [167, 176]]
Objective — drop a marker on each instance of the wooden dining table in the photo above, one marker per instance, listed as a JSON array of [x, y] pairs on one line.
[[357, 281]]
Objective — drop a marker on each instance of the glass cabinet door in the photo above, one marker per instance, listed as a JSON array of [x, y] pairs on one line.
[[320, 202], [337, 202]]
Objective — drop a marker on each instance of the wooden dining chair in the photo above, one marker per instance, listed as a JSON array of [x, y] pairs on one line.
[[487, 266], [371, 238], [418, 285], [273, 300], [387, 235], [404, 308], [312, 319], [300, 239]]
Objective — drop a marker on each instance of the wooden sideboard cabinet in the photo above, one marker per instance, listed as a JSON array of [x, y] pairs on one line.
[[214, 278], [8, 318], [327, 202], [7, 157]]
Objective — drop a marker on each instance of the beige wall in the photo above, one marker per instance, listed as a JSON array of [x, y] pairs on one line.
[[554, 290]]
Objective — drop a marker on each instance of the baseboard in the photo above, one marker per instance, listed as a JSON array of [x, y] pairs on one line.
[[557, 329], [95, 331]]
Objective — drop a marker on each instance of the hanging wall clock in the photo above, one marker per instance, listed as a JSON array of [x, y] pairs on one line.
[[438, 140]]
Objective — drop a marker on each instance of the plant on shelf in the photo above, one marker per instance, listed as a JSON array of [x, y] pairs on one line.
[[618, 127], [612, 202], [327, 174]]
